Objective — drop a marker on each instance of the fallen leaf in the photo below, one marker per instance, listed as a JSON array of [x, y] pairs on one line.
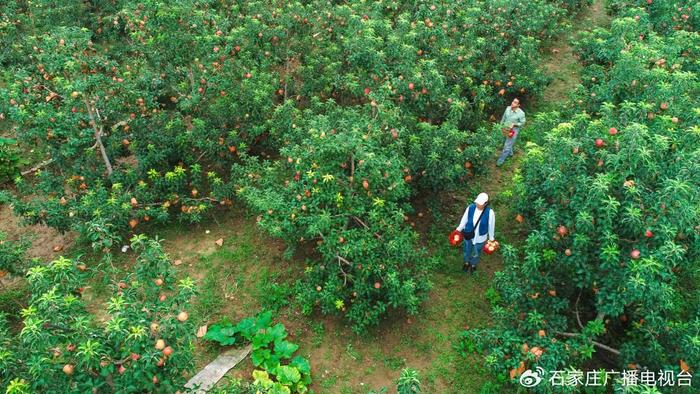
[[537, 351], [220, 242], [177, 262], [202, 330], [58, 248], [526, 348], [684, 366], [517, 372]]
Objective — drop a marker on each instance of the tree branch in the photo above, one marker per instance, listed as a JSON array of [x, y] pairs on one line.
[[37, 167], [343, 260], [50, 91], [118, 124], [286, 74], [154, 204], [98, 136], [594, 343], [345, 274], [365, 226], [352, 169], [578, 316]]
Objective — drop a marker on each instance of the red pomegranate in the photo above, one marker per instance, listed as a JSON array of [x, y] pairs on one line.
[[455, 238]]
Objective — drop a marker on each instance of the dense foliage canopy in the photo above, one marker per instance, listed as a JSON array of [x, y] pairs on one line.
[[332, 115], [610, 196]]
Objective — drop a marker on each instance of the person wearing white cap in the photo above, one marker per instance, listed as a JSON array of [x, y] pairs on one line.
[[478, 223]]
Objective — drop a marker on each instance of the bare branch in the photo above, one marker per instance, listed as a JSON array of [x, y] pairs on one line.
[[352, 169], [49, 90], [103, 151], [365, 226], [155, 204], [345, 274], [191, 76], [119, 124], [200, 156], [98, 135], [343, 260], [578, 316], [37, 167], [592, 342], [286, 75]]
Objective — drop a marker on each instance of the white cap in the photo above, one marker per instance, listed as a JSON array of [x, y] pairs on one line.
[[482, 198]]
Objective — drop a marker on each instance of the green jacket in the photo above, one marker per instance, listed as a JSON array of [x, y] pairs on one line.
[[516, 117]]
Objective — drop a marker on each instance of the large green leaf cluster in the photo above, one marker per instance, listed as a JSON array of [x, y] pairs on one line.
[[64, 347], [271, 353], [665, 16]]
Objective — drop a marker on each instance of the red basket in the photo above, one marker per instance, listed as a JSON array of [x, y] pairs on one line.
[[456, 238], [511, 133], [490, 247]]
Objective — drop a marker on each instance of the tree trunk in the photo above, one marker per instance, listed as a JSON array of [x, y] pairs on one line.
[[98, 137]]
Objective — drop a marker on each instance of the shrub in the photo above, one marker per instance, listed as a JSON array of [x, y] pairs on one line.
[[12, 256], [144, 343]]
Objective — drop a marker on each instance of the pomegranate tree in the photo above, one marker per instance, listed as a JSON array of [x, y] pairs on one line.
[[63, 347]]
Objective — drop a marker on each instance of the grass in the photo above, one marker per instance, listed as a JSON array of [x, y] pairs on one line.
[[13, 298], [319, 332]]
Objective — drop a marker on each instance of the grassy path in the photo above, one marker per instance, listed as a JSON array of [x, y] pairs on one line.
[[463, 301], [561, 65]]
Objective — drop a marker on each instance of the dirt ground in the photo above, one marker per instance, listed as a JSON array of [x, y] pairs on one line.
[[44, 239]]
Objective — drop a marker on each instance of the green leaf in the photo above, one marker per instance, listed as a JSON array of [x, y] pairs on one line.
[[288, 375], [246, 328], [272, 363], [594, 327], [278, 388], [223, 333], [262, 378], [586, 351], [263, 320], [261, 340], [259, 356], [285, 349], [301, 364], [277, 332]]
